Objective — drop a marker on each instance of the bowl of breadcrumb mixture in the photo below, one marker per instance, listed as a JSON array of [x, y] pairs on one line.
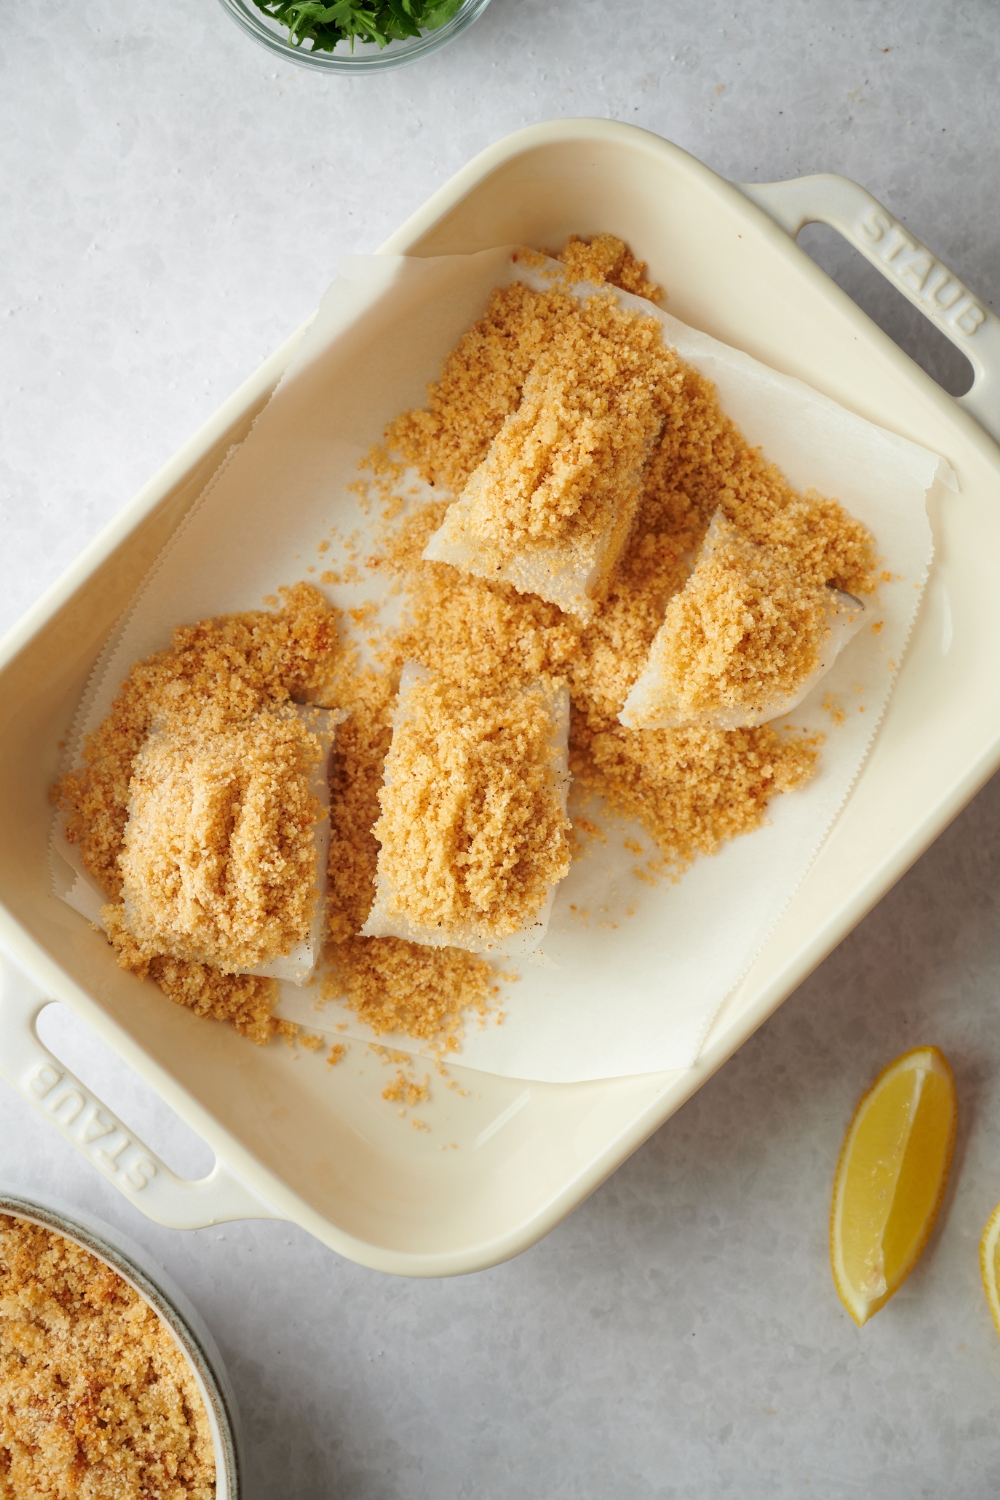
[[111, 1387]]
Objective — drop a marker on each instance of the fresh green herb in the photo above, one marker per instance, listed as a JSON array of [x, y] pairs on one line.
[[379, 21]]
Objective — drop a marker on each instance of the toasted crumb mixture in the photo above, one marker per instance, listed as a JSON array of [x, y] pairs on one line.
[[692, 788], [605, 258], [562, 477], [219, 859], [392, 985], [397, 987], [742, 635], [216, 676], [473, 835], [241, 999], [96, 1399], [233, 668], [451, 436], [230, 668]]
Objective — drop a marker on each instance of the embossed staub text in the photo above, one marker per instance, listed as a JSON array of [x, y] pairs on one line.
[[916, 270], [80, 1116]]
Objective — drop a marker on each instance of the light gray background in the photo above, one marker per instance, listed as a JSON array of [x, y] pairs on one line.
[[172, 203]]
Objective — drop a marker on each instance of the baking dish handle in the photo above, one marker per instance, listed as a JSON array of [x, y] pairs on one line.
[[904, 261], [97, 1133]]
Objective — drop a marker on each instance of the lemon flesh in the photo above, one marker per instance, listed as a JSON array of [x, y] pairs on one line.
[[891, 1178]]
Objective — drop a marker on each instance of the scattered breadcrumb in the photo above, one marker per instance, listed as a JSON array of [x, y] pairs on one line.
[[399, 987], [605, 258], [392, 985], [831, 705], [241, 999], [236, 665], [336, 1054], [406, 1090], [97, 1399]]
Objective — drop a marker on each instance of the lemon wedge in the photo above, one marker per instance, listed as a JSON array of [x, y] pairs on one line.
[[891, 1178], [989, 1249]]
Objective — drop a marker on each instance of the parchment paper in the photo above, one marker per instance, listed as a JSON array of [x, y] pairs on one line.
[[633, 985]]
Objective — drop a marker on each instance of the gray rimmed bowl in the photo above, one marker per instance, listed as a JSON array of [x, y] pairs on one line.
[[168, 1301]]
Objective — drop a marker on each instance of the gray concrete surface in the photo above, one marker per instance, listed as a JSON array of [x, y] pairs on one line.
[[172, 203]]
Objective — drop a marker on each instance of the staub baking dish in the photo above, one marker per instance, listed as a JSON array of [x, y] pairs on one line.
[[296, 1140]]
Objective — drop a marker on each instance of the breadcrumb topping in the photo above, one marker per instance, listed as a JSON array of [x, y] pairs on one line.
[[229, 668], [472, 830], [398, 987], [691, 788], [98, 1400], [214, 680], [551, 504], [392, 985], [741, 637], [218, 861]]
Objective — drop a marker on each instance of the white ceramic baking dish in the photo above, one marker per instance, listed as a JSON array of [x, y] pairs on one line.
[[167, 1301], [297, 1140]]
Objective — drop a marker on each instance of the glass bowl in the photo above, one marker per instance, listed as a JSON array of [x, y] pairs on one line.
[[366, 57]]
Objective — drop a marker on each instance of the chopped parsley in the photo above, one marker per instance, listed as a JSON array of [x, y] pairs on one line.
[[378, 21]]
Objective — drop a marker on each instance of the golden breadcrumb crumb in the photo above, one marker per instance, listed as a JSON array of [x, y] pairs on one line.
[[589, 410], [450, 437], [392, 985], [358, 760], [831, 705], [98, 1401], [395, 986], [693, 789], [235, 666]]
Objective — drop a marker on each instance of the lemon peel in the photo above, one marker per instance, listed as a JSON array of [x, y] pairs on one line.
[[989, 1250]]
